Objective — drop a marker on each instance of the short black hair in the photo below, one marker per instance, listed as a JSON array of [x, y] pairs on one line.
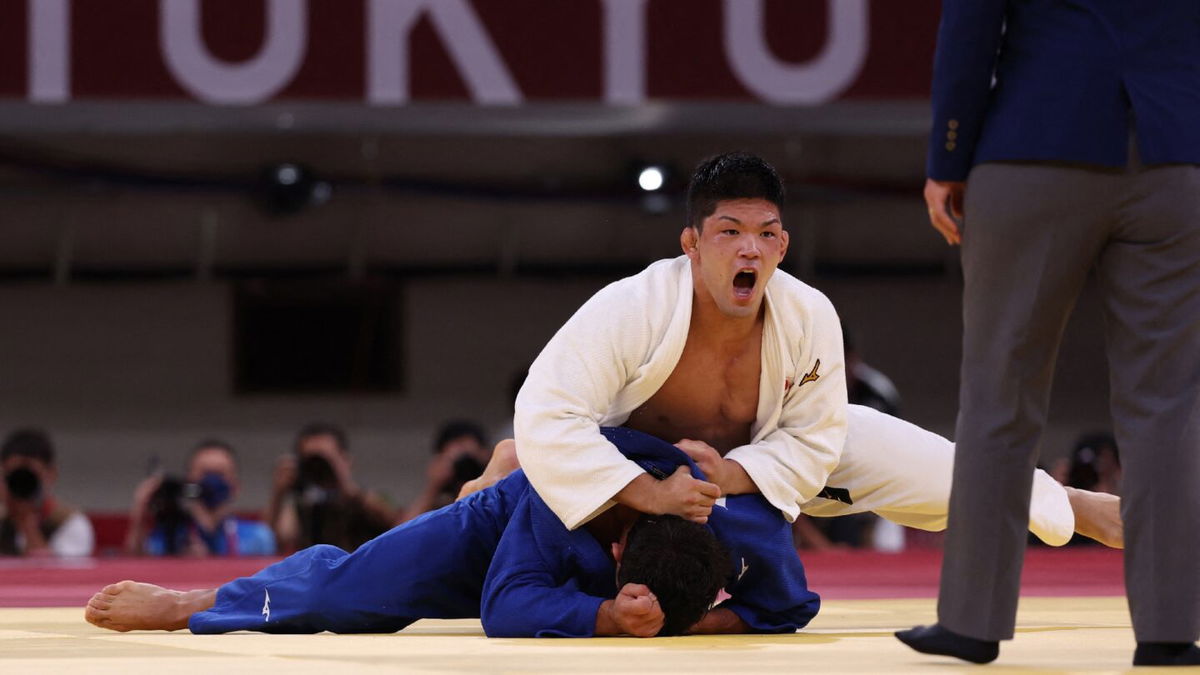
[[207, 443], [28, 442], [323, 429], [681, 562], [457, 429], [733, 175]]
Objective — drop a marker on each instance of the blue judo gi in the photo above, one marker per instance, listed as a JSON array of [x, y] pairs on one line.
[[502, 555]]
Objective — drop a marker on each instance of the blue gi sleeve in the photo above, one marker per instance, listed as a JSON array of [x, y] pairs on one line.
[[969, 37], [545, 581], [769, 591]]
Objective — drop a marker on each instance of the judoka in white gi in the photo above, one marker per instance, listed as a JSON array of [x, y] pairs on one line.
[[741, 363]]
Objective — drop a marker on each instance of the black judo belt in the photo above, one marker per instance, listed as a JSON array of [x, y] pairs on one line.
[[836, 494]]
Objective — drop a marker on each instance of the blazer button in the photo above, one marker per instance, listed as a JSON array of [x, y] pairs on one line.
[[951, 135], [953, 124], [950, 145]]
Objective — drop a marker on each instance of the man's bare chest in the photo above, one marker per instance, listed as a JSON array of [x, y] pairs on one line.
[[708, 397]]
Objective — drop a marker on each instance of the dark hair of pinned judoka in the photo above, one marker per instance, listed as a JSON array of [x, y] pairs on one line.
[[732, 175], [681, 562]]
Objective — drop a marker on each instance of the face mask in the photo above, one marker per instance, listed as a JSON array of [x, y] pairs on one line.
[[214, 490]]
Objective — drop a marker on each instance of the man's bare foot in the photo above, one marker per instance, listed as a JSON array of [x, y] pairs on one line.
[[130, 605], [1098, 516], [503, 462]]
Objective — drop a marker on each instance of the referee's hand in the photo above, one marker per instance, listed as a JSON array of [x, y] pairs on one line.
[[944, 199]]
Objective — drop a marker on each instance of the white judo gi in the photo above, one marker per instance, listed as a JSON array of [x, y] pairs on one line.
[[622, 345]]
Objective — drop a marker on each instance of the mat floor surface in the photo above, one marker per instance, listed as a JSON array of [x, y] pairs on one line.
[[1071, 631]]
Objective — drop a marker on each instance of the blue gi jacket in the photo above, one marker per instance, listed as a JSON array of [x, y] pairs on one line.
[[547, 581], [1064, 80], [503, 551]]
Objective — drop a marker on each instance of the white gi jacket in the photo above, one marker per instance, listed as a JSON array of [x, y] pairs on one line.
[[623, 344]]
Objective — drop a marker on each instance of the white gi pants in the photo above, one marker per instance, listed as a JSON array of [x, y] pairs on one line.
[[903, 473]]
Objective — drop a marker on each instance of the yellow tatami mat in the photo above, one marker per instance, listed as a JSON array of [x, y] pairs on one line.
[[1080, 634]]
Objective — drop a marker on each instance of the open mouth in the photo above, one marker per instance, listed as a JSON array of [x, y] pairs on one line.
[[743, 283]]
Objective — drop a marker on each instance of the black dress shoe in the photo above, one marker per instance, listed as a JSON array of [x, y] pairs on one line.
[[937, 640], [1166, 654]]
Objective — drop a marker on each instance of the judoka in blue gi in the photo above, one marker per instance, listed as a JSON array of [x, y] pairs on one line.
[[500, 554]]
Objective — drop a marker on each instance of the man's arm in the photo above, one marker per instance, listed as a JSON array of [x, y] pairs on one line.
[[644, 493], [727, 474], [968, 40], [280, 513], [528, 590], [24, 515], [720, 621], [680, 494], [792, 456], [635, 611], [576, 383], [968, 43], [135, 536]]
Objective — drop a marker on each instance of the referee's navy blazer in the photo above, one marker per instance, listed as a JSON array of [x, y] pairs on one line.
[[1062, 80]]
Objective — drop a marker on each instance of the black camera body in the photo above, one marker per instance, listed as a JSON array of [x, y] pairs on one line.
[[168, 507], [466, 468], [316, 482]]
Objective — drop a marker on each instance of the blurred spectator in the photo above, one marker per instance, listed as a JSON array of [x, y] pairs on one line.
[[315, 500], [194, 515], [515, 381], [1095, 464], [35, 523], [460, 453], [865, 386], [1059, 469]]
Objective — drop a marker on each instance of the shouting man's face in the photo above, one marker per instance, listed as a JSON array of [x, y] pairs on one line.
[[734, 254]]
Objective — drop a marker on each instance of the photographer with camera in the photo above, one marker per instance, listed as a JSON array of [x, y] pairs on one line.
[[315, 500], [460, 453], [193, 515], [34, 522]]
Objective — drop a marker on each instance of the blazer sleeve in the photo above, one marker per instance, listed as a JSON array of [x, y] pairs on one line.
[[532, 588], [964, 63]]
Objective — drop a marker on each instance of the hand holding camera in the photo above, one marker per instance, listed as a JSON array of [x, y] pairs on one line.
[[24, 494], [321, 475], [23, 497]]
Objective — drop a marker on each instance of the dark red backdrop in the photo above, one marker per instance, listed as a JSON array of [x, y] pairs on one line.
[[552, 48]]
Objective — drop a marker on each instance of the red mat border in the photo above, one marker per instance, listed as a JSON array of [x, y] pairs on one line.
[[1080, 571]]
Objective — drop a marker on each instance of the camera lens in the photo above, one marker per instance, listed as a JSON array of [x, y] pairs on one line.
[[23, 484]]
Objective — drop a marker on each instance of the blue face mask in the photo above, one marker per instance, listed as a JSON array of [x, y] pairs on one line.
[[214, 490]]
